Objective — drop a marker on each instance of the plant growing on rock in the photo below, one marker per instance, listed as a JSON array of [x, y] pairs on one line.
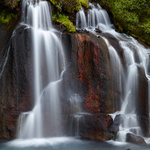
[[63, 19], [130, 14]]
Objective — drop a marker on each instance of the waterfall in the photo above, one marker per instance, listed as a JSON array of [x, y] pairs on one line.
[[49, 64], [81, 16], [135, 56], [96, 18]]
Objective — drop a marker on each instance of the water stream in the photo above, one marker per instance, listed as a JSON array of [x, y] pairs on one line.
[[44, 120]]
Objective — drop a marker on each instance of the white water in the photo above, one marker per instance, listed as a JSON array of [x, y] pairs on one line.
[[96, 18], [135, 55], [49, 64]]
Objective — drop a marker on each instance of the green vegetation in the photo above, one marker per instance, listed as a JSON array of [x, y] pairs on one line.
[[131, 16], [62, 19], [5, 18], [85, 3], [64, 7], [8, 14], [70, 6]]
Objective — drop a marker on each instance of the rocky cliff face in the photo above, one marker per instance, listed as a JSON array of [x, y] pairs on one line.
[[89, 74], [16, 77]]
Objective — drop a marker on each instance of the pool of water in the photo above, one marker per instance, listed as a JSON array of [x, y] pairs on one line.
[[65, 143]]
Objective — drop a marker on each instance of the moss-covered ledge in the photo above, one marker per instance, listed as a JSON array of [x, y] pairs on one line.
[[65, 8], [64, 20], [130, 16]]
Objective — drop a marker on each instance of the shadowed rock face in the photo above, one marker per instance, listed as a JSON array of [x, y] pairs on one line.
[[15, 87], [95, 127], [143, 104], [89, 75], [90, 72]]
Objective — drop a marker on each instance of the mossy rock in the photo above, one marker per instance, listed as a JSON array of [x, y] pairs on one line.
[[8, 17], [63, 19], [130, 16], [85, 3], [5, 18]]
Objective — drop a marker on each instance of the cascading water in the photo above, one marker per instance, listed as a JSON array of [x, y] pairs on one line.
[[127, 74], [96, 18], [44, 120]]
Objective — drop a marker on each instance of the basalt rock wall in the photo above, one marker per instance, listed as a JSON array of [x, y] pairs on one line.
[[88, 74], [16, 81]]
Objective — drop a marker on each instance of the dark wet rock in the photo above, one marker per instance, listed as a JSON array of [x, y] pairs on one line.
[[86, 31], [148, 64], [144, 44], [131, 138], [143, 104], [59, 27], [117, 30], [78, 30], [115, 43], [116, 123], [16, 81], [98, 30], [95, 127], [135, 52]]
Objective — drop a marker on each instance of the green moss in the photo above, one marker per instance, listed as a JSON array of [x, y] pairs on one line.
[[85, 3], [146, 26], [6, 18], [53, 1], [63, 19]]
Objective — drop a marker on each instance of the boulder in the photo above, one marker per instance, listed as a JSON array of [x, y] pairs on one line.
[[131, 138], [116, 123]]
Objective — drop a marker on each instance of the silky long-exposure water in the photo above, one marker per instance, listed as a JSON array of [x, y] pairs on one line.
[[48, 52]]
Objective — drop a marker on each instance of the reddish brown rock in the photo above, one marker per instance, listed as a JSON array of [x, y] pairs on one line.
[[89, 74]]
